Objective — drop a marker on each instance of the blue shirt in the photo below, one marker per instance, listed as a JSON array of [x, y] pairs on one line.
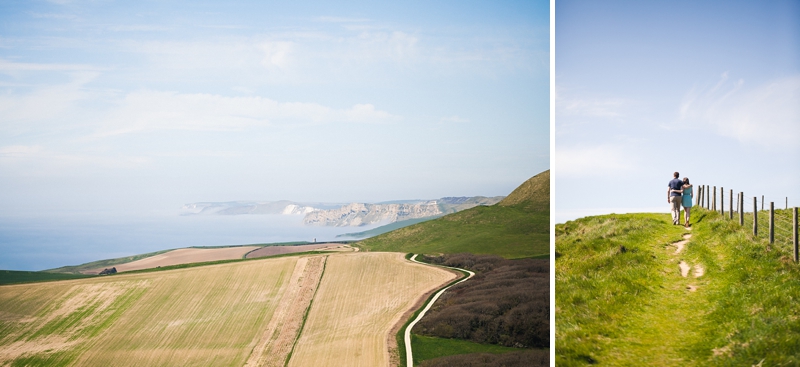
[[675, 184]]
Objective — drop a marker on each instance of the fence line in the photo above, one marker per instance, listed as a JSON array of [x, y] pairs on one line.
[[778, 226]]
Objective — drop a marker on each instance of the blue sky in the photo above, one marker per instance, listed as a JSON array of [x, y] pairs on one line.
[[109, 106], [643, 89]]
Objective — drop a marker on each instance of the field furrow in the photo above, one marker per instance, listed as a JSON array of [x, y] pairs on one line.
[[282, 331], [361, 297]]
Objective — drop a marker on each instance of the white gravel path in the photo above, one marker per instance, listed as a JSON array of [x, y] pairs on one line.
[[407, 334]]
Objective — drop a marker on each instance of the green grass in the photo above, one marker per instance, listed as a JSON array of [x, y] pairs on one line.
[[516, 227], [426, 347], [400, 336], [633, 307], [14, 276], [509, 232]]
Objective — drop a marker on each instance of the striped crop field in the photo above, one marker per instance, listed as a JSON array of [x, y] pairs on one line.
[[301, 310], [191, 317], [361, 297]]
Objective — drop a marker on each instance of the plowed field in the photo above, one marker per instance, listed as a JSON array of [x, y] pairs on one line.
[[360, 298], [232, 314]]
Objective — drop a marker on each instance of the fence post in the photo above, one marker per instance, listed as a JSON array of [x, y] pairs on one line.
[[762, 202], [722, 201], [794, 217], [703, 197], [699, 196], [714, 202], [741, 208], [708, 197], [730, 206], [755, 216], [771, 222]]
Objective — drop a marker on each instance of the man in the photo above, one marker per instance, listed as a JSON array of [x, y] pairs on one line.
[[674, 198]]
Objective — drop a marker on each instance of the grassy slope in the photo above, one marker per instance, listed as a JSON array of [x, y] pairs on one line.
[[385, 228], [426, 347], [14, 276], [633, 307], [516, 227]]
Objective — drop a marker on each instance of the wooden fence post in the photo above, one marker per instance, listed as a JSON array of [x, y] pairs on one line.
[[708, 197], [730, 206], [699, 196], [771, 222], [741, 208], [714, 202], [705, 193], [762, 202], [722, 201], [794, 217], [755, 216]]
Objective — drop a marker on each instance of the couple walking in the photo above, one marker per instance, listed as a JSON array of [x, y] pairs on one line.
[[680, 193]]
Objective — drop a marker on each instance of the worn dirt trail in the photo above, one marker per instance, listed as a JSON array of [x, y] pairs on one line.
[[684, 267], [663, 322]]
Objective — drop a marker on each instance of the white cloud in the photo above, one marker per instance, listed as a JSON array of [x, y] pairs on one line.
[[604, 160], [156, 110], [276, 54], [10, 66], [38, 160], [766, 114], [18, 151], [566, 105], [54, 101]]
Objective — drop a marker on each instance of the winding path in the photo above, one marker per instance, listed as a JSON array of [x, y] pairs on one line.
[[407, 333]]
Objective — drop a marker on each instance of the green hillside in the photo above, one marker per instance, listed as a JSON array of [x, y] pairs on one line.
[[17, 276], [384, 228], [622, 299], [516, 227]]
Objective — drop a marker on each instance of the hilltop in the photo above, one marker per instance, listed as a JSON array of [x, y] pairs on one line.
[[635, 290], [516, 227], [532, 195]]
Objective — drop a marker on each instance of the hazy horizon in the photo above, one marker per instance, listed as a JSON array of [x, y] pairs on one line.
[[133, 109], [150, 105]]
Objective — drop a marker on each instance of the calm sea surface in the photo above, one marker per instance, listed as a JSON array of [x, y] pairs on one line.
[[38, 243]]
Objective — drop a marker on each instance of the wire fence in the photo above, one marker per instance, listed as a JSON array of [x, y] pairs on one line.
[[779, 226]]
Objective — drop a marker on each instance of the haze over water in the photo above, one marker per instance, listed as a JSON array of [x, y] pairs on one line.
[[39, 243]]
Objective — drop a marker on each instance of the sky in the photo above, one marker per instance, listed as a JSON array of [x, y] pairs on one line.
[[119, 106], [643, 89]]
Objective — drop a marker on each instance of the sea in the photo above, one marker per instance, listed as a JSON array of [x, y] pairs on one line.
[[45, 242]]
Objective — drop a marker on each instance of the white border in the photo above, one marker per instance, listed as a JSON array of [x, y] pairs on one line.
[[552, 182]]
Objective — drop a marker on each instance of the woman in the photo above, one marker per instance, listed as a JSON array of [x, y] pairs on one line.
[[686, 201]]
